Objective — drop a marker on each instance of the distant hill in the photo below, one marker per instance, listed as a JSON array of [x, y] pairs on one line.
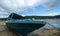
[[38, 17], [57, 16], [43, 17], [3, 18]]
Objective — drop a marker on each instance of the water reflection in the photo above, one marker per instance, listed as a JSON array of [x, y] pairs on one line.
[[54, 22]]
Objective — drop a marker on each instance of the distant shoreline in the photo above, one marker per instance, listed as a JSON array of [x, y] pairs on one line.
[[38, 17]]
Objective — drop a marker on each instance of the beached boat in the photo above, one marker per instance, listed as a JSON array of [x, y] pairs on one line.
[[23, 26]]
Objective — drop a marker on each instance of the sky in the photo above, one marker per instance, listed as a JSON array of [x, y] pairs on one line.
[[29, 7]]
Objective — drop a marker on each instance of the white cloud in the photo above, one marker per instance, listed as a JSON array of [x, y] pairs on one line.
[[1, 9], [51, 4], [3, 13], [18, 5], [53, 14], [21, 5], [3, 16]]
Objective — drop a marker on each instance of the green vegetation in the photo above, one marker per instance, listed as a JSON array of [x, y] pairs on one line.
[[3, 18], [38, 17], [43, 17]]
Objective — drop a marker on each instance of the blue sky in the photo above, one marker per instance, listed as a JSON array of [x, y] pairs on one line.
[[41, 11], [29, 7]]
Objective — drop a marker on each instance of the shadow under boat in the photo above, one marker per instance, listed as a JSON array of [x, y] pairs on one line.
[[19, 24]]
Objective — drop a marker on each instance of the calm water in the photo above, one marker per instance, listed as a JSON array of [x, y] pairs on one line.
[[54, 22]]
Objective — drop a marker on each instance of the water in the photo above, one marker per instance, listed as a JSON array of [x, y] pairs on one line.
[[54, 22]]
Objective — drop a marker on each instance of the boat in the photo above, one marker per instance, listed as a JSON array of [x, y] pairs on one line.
[[23, 26]]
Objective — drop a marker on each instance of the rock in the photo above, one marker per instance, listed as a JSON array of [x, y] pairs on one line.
[[46, 32]]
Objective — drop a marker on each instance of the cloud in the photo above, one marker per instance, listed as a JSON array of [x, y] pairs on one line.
[[51, 4], [17, 5], [21, 5], [3, 13], [10, 6], [3, 16], [53, 14]]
